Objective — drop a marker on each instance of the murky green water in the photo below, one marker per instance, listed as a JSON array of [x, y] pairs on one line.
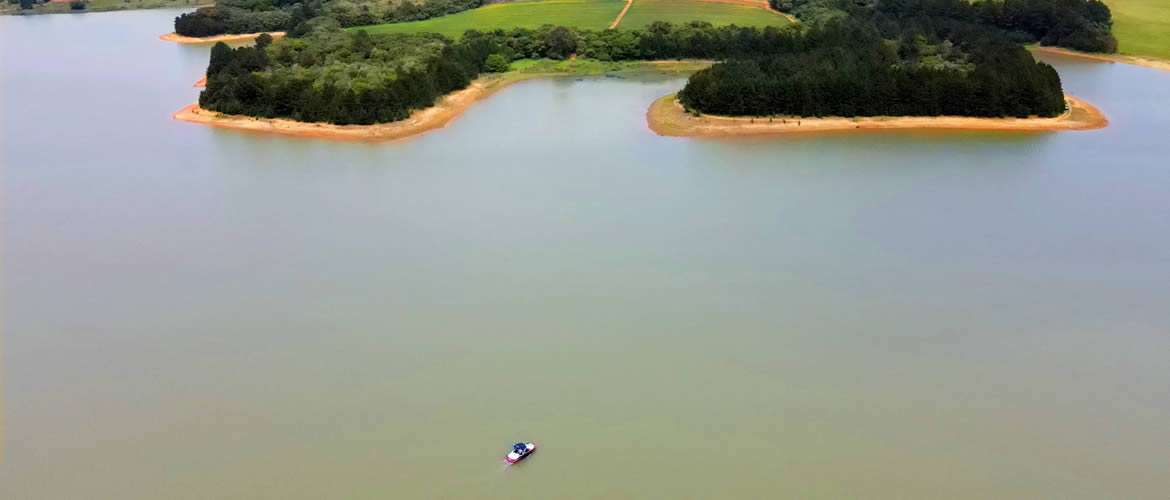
[[192, 313]]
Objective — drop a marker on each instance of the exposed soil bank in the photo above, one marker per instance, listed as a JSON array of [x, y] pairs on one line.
[[421, 121], [666, 116], [1148, 62], [173, 37], [201, 83]]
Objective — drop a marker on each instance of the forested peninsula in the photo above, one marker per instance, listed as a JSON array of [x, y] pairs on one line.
[[856, 61]]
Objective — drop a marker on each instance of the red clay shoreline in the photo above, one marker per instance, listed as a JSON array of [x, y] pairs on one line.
[[667, 117], [173, 37]]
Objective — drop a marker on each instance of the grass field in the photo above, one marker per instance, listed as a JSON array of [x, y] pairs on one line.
[[1142, 27], [644, 12], [99, 6], [584, 14]]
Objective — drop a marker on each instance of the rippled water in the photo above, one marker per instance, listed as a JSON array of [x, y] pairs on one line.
[[200, 313]]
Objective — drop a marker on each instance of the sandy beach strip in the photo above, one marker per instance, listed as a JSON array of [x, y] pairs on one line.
[[667, 117], [172, 37]]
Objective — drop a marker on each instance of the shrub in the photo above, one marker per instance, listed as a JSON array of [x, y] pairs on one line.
[[496, 63], [77, 5]]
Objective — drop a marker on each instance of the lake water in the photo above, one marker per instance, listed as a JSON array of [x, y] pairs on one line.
[[193, 313]]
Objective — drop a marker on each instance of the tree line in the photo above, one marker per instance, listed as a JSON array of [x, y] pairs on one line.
[[1076, 24], [299, 17]]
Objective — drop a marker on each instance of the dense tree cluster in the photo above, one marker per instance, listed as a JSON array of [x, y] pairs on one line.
[[1076, 24], [855, 72], [338, 77], [299, 17]]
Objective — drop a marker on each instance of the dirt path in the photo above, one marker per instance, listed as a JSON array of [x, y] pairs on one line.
[[621, 14], [174, 37], [790, 17], [1148, 62], [667, 117]]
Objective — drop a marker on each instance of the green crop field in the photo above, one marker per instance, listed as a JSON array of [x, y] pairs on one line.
[[584, 14], [1142, 27], [644, 12]]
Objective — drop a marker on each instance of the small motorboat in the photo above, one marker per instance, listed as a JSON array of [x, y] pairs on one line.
[[519, 451]]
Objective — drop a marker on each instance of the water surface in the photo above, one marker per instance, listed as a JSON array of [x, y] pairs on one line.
[[200, 313]]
